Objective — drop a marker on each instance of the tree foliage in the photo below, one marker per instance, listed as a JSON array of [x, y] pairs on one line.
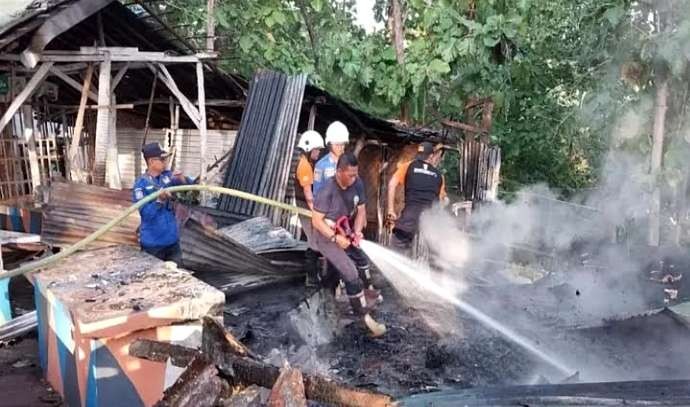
[[553, 68]]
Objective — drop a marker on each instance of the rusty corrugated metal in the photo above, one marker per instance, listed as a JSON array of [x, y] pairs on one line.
[[74, 211], [228, 265], [205, 249]]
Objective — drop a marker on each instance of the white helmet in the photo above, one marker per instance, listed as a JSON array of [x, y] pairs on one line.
[[310, 140], [337, 134]]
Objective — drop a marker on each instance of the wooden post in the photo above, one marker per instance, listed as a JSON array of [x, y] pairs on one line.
[[112, 167], [202, 123], [312, 117], [30, 139], [102, 122], [78, 169]]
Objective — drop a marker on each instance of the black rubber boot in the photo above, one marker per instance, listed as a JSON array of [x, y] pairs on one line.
[[373, 295], [359, 306]]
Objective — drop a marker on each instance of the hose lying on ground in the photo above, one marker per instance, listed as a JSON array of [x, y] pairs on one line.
[[38, 264]]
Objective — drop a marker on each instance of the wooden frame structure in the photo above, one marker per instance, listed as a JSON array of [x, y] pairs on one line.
[[47, 46]]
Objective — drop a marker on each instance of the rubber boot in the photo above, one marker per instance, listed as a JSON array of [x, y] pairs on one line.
[[359, 306], [311, 267], [372, 295]]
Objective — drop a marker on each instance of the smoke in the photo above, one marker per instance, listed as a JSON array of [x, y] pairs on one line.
[[582, 261]]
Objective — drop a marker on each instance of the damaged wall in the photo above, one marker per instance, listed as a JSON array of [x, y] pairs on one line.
[[187, 156]]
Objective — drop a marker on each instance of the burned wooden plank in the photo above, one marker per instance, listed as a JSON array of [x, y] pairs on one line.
[[288, 391], [248, 372], [199, 385], [215, 339], [180, 356]]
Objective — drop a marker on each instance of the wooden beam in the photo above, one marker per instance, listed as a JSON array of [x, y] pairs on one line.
[[102, 124], [71, 82], [188, 107], [140, 56], [77, 174], [209, 102], [30, 139], [58, 23], [202, 122], [462, 126], [120, 74], [33, 83]]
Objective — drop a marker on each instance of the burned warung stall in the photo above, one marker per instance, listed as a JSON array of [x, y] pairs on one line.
[[429, 294]]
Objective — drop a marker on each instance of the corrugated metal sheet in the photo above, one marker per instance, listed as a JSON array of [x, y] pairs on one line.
[[74, 211], [187, 157], [266, 141], [228, 265], [260, 236], [205, 249]]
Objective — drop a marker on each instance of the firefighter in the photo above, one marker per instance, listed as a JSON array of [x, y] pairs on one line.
[[310, 145], [424, 185], [337, 137], [343, 199], [158, 234]]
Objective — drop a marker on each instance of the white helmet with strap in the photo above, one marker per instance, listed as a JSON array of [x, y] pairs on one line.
[[310, 140], [337, 134]]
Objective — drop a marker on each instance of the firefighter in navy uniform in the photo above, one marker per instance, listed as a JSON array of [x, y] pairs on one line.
[[158, 234], [424, 185]]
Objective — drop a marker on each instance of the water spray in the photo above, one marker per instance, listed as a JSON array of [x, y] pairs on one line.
[[402, 265], [373, 250]]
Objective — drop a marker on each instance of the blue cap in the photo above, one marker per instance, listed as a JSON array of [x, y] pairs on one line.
[[153, 150]]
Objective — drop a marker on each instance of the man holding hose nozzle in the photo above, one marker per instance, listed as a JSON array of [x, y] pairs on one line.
[[339, 216], [158, 234]]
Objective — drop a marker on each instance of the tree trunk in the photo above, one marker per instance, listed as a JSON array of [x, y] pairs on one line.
[[653, 236], [396, 25], [210, 25]]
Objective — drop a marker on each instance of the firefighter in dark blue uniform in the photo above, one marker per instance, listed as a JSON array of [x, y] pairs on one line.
[[158, 234]]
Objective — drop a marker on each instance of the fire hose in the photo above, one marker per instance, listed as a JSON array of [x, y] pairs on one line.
[[38, 264]]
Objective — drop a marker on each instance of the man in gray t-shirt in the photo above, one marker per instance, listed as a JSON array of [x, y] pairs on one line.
[[344, 195]]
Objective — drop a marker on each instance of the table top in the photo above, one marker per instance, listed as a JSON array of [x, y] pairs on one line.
[[121, 289]]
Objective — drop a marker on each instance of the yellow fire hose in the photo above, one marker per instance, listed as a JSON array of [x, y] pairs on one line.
[[38, 264]]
